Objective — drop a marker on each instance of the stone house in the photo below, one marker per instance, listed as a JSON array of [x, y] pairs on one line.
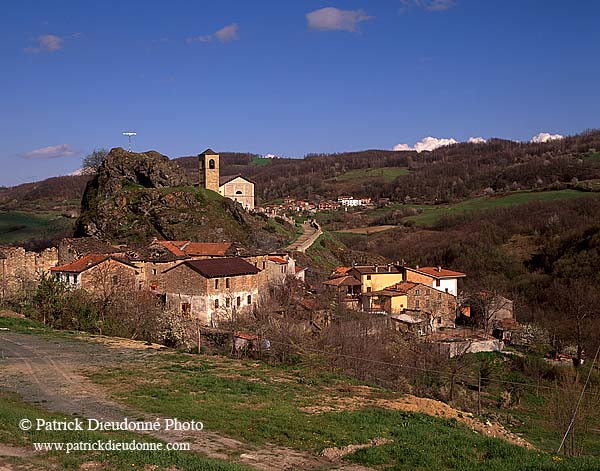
[[212, 290], [346, 289], [415, 299], [73, 248], [99, 274]]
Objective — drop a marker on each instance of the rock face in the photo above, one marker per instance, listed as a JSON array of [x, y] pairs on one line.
[[135, 197]]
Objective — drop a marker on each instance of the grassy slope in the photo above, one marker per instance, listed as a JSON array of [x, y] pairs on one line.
[[389, 174], [12, 410], [263, 404], [431, 214], [19, 226]]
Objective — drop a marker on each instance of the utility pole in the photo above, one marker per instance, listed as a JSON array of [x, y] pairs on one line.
[[129, 134]]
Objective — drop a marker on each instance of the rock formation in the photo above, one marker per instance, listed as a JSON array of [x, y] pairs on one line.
[[135, 197]]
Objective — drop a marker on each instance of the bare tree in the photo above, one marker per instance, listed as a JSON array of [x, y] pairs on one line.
[[93, 160], [488, 306]]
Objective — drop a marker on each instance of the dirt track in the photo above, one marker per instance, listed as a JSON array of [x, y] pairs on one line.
[[49, 371]]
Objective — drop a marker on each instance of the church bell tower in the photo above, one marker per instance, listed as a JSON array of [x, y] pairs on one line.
[[208, 162]]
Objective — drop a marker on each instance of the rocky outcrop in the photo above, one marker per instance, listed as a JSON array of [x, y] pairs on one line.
[[136, 197]]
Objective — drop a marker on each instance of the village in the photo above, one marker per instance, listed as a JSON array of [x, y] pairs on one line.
[[211, 282]]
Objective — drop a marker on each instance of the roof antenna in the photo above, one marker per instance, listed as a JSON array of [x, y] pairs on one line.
[[129, 134]]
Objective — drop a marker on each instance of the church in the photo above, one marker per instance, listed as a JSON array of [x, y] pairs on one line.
[[235, 187]]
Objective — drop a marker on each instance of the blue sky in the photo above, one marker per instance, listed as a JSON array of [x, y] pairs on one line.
[[262, 76]]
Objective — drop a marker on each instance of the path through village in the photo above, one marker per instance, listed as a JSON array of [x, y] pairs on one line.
[[310, 233]]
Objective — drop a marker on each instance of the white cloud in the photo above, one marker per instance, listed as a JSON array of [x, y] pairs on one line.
[[46, 43], [334, 19], [477, 140], [427, 144], [545, 137], [51, 152], [429, 5], [226, 34]]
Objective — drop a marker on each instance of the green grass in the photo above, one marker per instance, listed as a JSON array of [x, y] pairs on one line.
[[12, 410], [432, 213], [21, 226], [595, 156], [262, 404], [260, 161], [387, 173]]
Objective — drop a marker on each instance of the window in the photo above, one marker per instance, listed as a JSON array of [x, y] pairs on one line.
[[217, 283], [227, 302], [427, 303], [239, 192], [238, 301], [368, 277], [115, 280], [427, 292], [437, 282], [439, 295], [211, 164], [417, 292], [216, 304], [186, 308], [439, 320], [368, 289], [226, 282], [417, 304], [249, 299], [264, 264], [74, 279], [154, 271]]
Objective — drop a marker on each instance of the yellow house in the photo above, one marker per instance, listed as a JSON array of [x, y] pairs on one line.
[[375, 277]]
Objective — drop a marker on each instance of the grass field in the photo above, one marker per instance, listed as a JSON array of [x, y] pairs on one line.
[[19, 226], [260, 161], [261, 404], [366, 230], [431, 214], [12, 410], [388, 173]]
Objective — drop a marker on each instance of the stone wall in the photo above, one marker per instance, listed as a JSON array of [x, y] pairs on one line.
[[20, 269]]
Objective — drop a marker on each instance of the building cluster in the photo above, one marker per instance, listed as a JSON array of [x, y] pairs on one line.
[[293, 205], [207, 281], [422, 300]]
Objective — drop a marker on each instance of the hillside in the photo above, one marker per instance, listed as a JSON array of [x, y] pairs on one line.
[[446, 175], [135, 197]]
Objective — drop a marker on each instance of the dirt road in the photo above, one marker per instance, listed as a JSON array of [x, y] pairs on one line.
[[51, 371], [309, 236]]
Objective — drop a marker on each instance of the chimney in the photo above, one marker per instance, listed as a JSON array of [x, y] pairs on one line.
[[439, 269], [389, 267], [376, 267], [417, 267]]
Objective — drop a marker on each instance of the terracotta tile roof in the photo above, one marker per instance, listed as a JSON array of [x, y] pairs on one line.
[[86, 262], [220, 267], [343, 281], [298, 269], [216, 249], [438, 272], [184, 248], [281, 261], [402, 288], [341, 270]]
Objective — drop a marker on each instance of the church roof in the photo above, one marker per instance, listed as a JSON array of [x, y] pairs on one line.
[[209, 151], [229, 178]]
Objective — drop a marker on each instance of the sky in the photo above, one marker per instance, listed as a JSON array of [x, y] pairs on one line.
[[287, 77]]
